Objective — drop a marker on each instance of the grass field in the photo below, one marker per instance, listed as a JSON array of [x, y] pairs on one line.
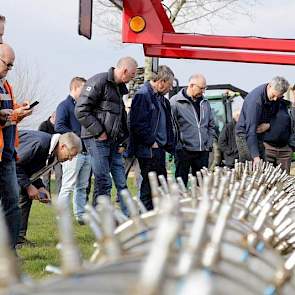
[[43, 231]]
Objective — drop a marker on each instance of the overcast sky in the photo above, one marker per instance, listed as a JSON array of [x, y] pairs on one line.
[[44, 36]]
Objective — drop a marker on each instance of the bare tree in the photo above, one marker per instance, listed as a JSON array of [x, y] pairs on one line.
[[183, 14], [28, 84], [186, 16]]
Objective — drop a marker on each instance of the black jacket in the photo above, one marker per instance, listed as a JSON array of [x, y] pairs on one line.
[[33, 153], [47, 126], [280, 127], [227, 144], [101, 108]]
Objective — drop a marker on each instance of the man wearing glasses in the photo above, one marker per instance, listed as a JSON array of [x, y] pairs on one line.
[[38, 153], [10, 114], [260, 105], [194, 116]]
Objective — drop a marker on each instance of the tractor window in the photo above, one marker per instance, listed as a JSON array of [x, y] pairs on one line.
[[219, 114]]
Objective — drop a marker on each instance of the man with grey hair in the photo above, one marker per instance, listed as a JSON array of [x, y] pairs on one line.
[[38, 153], [151, 130], [194, 116], [101, 112], [260, 105]]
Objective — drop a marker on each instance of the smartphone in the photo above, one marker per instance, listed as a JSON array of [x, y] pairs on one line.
[[33, 104], [43, 198]]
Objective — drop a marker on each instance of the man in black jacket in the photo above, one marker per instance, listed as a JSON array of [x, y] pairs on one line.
[[276, 139], [101, 112], [38, 152], [227, 141]]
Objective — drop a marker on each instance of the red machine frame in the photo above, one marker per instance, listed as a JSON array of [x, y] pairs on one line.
[[160, 40]]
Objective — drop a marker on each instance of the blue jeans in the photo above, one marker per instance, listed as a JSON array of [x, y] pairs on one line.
[[105, 159], [75, 177], [9, 198]]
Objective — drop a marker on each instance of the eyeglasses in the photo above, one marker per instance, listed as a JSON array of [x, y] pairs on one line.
[[201, 88], [8, 65]]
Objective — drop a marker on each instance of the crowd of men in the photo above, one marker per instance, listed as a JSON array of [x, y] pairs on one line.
[[91, 131]]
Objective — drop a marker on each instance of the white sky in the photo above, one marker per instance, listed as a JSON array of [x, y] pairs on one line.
[[44, 35]]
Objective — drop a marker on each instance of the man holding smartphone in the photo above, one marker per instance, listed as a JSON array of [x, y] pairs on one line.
[[12, 113]]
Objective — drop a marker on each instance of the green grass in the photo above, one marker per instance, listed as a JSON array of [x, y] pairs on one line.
[[43, 231]]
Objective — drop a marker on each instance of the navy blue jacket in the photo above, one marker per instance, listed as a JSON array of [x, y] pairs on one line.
[[33, 153], [256, 109], [66, 120], [280, 127], [144, 119]]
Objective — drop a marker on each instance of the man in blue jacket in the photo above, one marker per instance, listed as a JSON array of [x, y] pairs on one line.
[[260, 105], [38, 152], [197, 128], [151, 129], [75, 173]]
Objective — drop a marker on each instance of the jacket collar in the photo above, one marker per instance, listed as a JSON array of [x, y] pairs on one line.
[[182, 96], [122, 87]]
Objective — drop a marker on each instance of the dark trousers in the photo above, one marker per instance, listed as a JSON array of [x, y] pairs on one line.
[[9, 198], [279, 155], [156, 164], [184, 160], [243, 149], [25, 204]]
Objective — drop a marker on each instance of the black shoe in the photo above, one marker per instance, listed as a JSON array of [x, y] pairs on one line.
[[80, 220], [24, 242]]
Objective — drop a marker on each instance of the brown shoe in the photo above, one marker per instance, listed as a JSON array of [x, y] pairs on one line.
[[21, 242]]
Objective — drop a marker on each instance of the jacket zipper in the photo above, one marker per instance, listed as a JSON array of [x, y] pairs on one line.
[[198, 123]]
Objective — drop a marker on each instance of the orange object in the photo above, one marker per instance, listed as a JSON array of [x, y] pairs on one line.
[[8, 88]]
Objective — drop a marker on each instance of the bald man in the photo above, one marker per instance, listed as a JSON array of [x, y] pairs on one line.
[[193, 113], [101, 112], [10, 114]]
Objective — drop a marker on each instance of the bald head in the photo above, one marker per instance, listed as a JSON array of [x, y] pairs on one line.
[[6, 59], [125, 69], [196, 85]]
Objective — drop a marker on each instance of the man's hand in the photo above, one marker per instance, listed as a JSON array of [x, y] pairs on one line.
[[121, 150], [21, 112], [5, 115], [256, 162], [262, 127], [103, 136], [155, 145], [33, 192], [41, 191]]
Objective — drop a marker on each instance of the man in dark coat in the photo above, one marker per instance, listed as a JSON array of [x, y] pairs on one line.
[[151, 129], [39, 152], [227, 141]]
